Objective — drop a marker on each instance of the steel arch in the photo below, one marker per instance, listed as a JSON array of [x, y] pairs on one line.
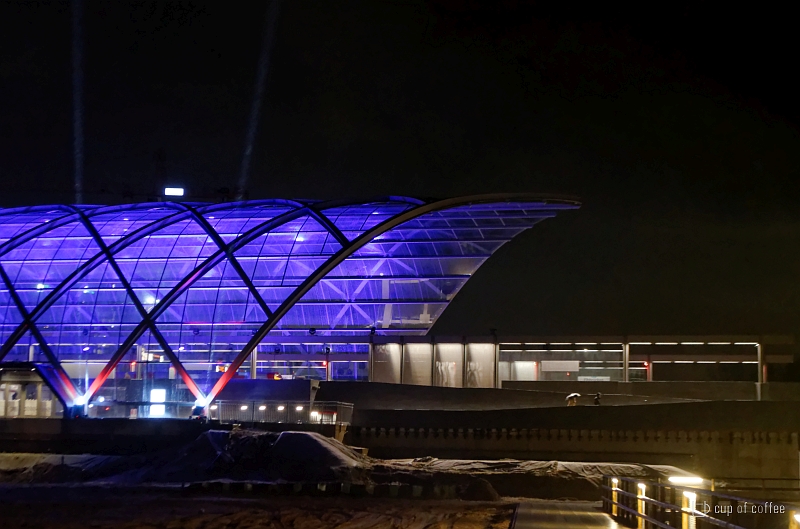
[[196, 212]]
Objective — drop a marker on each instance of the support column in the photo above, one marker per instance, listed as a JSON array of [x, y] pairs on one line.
[[626, 360], [496, 365], [23, 398], [433, 362], [371, 363], [464, 369], [402, 358], [31, 353], [254, 363], [39, 403], [761, 377]]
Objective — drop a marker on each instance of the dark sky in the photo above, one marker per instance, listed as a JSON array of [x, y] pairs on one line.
[[675, 124]]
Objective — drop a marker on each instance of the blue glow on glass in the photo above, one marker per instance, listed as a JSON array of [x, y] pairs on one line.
[[209, 276]]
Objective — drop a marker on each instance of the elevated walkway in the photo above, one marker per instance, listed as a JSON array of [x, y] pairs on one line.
[[562, 515]]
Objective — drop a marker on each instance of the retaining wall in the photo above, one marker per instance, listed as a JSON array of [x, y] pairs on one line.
[[709, 453]]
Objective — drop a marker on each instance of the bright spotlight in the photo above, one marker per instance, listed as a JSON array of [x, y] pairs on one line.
[[173, 191], [213, 406], [39, 286], [80, 400], [243, 408], [281, 407], [158, 395], [299, 408], [685, 480], [101, 399]]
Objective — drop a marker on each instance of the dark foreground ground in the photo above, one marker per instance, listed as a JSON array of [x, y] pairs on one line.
[[66, 507]]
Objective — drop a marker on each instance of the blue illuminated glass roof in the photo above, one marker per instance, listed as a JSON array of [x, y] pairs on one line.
[[80, 282]]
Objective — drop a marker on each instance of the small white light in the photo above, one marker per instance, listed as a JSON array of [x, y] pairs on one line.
[[614, 481], [157, 410], [180, 348], [262, 408], [91, 405], [149, 300], [158, 395], [211, 216], [173, 191], [797, 518], [124, 219], [85, 348], [300, 238], [243, 408], [685, 480], [85, 286], [213, 406], [39, 286], [315, 414], [299, 408], [101, 399], [281, 408], [80, 400]]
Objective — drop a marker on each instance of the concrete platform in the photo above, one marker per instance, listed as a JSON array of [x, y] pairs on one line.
[[562, 515]]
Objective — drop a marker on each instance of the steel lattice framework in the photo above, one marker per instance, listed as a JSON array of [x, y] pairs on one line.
[[81, 283]]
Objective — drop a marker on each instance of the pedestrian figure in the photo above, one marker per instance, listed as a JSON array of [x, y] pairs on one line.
[[572, 399], [597, 399]]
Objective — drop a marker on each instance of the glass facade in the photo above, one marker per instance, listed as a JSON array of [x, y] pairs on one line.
[[134, 298]]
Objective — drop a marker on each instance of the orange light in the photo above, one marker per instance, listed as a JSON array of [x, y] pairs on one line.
[[646, 364]]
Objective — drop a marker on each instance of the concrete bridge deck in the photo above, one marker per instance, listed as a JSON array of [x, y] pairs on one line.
[[562, 515]]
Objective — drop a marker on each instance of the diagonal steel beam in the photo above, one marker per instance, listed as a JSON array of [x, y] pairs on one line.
[[207, 265], [190, 383], [62, 375], [349, 250], [221, 245]]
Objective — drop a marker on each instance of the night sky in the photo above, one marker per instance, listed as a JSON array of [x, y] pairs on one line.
[[676, 126]]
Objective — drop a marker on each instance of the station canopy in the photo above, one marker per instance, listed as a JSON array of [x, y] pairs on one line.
[[80, 282]]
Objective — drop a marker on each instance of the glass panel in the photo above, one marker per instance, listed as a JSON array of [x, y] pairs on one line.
[[386, 363], [417, 368]]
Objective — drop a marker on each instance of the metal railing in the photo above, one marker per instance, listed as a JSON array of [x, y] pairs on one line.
[[291, 412], [648, 504]]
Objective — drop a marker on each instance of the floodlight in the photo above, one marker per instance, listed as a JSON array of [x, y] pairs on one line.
[[685, 480], [158, 395], [173, 191]]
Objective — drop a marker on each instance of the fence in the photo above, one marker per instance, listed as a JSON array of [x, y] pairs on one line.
[[647, 504], [304, 412]]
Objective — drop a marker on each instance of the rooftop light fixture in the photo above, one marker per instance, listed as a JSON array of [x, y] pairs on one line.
[[173, 191], [685, 480]]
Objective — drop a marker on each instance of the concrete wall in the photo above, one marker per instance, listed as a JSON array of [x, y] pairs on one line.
[[678, 390], [98, 436], [708, 453], [720, 415]]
